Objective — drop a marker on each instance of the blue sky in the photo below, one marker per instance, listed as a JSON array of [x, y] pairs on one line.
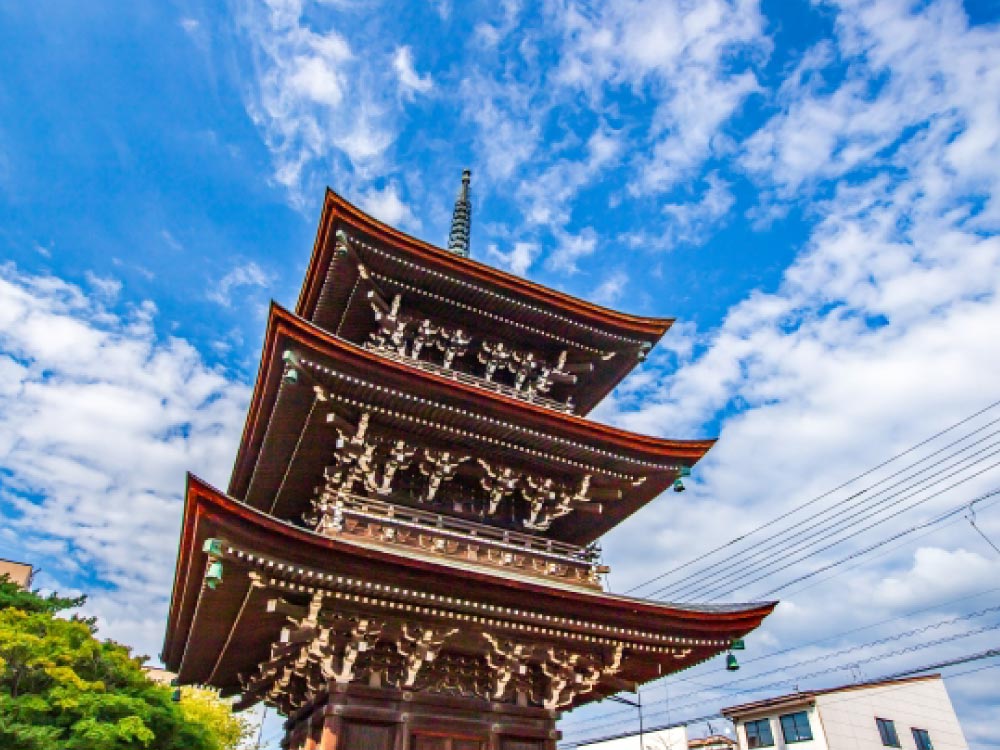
[[809, 188]]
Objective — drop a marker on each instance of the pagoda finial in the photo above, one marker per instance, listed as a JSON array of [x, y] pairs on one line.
[[461, 219]]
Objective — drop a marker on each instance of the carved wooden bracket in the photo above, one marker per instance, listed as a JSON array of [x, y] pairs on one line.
[[439, 467]]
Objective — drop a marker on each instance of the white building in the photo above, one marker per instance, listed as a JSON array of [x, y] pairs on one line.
[[912, 714]]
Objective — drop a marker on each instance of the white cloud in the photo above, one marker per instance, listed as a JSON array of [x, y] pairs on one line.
[[387, 206], [689, 222], [570, 248], [244, 275], [683, 53], [508, 127], [322, 109], [106, 288], [610, 290], [879, 335], [517, 260], [548, 195], [410, 81], [172, 242], [99, 421]]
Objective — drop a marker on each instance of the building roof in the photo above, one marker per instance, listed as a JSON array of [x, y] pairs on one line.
[[287, 440], [715, 739], [18, 572], [809, 696], [469, 292], [215, 635]]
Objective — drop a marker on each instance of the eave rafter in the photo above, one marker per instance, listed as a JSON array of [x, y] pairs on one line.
[[652, 639], [307, 375], [463, 290]]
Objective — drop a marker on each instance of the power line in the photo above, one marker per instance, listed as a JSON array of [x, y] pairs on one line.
[[978, 656], [821, 527], [818, 498], [947, 522], [878, 642], [735, 565], [789, 563], [972, 520], [894, 537], [852, 631], [677, 678]]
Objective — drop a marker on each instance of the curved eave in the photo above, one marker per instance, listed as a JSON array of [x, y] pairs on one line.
[[336, 208], [209, 512], [286, 328]]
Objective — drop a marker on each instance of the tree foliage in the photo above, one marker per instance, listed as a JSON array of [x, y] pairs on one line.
[[203, 706], [62, 687]]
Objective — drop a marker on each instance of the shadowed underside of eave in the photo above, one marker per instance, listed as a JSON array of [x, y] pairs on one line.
[[465, 292], [214, 636], [288, 439]]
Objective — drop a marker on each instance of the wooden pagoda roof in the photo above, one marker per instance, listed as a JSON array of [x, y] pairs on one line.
[[215, 636], [287, 440], [468, 290]]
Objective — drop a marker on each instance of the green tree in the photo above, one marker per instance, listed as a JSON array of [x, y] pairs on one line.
[[204, 706], [61, 687]]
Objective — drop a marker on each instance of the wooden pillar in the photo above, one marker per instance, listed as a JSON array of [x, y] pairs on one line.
[[356, 716], [331, 729]]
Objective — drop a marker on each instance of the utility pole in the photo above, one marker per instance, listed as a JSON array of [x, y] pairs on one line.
[[637, 703]]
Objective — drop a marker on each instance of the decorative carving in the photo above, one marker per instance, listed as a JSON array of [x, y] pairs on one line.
[[570, 674], [439, 467], [320, 646], [454, 343], [507, 659], [362, 637], [418, 647], [399, 455], [393, 327], [547, 375], [495, 356], [499, 482], [425, 335], [548, 501]]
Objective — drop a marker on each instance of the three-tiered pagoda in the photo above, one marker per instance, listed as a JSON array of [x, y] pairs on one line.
[[405, 557]]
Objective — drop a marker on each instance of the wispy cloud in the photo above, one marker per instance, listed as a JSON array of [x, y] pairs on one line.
[[243, 275], [410, 82], [683, 54], [516, 260], [611, 288], [387, 205], [874, 337], [314, 101]]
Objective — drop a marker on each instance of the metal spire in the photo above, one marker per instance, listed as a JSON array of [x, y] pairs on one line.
[[461, 219]]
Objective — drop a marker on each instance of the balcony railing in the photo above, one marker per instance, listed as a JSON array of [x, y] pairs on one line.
[[473, 380]]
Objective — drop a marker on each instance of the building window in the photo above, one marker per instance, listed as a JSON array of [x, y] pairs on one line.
[[887, 731], [759, 733], [795, 727], [922, 739]]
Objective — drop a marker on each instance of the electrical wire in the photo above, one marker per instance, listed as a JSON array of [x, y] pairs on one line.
[[871, 644], [785, 564], [894, 537], [930, 525], [769, 524], [990, 653], [820, 528], [736, 564]]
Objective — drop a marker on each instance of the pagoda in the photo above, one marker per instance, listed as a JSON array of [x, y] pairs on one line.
[[406, 555]]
